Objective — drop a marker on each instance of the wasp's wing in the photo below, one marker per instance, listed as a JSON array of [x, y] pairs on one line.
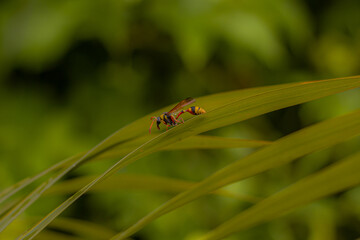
[[181, 104]]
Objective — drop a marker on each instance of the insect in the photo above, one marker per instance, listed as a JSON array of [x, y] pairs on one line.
[[192, 110], [169, 119]]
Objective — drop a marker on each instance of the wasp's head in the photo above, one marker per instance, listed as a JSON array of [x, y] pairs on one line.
[[158, 121]]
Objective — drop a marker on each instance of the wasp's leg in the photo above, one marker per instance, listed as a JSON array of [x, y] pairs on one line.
[[152, 122], [167, 126], [174, 120]]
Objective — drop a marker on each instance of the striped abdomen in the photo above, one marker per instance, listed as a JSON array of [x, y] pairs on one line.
[[194, 110]]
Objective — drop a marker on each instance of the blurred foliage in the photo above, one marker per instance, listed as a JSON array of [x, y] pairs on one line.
[[72, 72]]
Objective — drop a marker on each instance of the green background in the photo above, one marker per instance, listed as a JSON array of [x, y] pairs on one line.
[[73, 72]]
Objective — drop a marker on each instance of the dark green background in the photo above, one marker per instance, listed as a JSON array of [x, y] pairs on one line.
[[72, 72]]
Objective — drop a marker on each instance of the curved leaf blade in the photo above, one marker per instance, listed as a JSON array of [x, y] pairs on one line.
[[337, 177], [85, 229], [10, 191], [214, 142], [138, 182], [194, 142], [247, 104], [282, 151]]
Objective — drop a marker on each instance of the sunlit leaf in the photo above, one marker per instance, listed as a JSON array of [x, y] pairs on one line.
[[213, 142], [222, 110], [61, 228], [135, 182], [10, 191], [338, 177], [194, 142], [282, 151]]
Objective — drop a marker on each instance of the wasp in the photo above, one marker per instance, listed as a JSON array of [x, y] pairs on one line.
[[192, 110], [169, 119]]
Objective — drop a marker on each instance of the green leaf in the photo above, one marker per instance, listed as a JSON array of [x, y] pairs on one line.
[[213, 142], [194, 142], [282, 151], [6, 207], [86, 229], [79, 229], [54, 235], [338, 177], [135, 182], [10, 191], [222, 110]]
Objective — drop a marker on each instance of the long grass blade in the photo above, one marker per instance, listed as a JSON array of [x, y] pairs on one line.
[[338, 177], [10, 191], [54, 235], [138, 182], [213, 142], [194, 142], [245, 105], [85, 229], [73, 227], [20, 207], [6, 207], [282, 151], [131, 135]]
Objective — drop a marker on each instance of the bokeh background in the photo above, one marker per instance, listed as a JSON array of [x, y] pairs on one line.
[[73, 72]]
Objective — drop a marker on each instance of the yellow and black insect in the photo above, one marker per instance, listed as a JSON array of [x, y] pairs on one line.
[[192, 110], [168, 118]]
